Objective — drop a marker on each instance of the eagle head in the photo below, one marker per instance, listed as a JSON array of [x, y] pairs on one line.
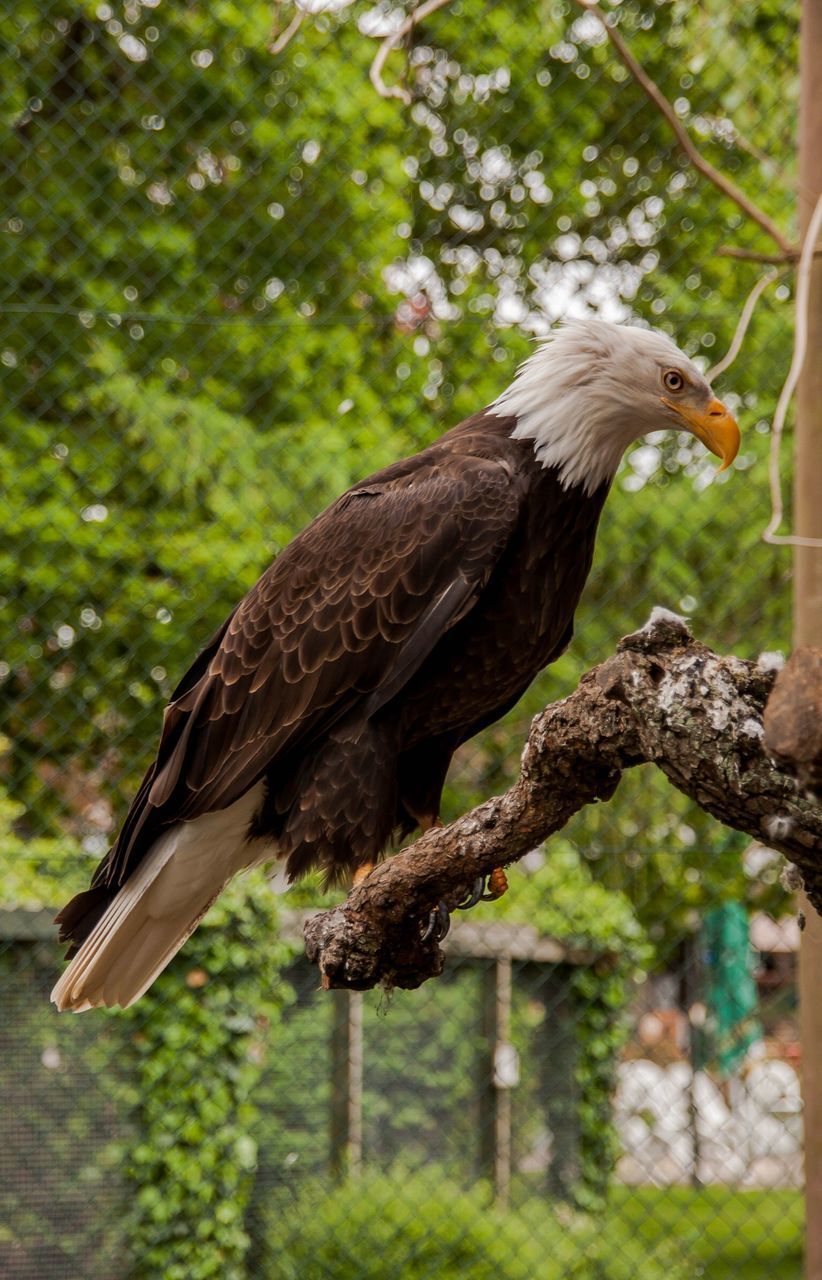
[[594, 387]]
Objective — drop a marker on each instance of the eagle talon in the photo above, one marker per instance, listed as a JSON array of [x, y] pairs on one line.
[[439, 922], [496, 887], [474, 896]]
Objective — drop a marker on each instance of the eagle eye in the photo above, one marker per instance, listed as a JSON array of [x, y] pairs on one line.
[[673, 380]]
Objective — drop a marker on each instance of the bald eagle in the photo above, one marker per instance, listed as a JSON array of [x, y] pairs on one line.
[[321, 718]]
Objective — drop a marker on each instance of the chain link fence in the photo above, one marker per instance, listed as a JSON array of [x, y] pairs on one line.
[[235, 280]]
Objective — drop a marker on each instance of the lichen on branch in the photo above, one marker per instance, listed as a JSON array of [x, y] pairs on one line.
[[662, 698]]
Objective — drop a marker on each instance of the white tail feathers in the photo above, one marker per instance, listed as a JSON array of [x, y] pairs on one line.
[[159, 907]]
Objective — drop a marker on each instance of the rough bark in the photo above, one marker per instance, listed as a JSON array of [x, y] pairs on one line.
[[662, 698]]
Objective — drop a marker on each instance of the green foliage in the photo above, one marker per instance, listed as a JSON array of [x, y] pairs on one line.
[[561, 900], [201, 1038], [207, 265], [163, 312], [233, 284], [183, 1066], [40, 872], [64, 1122], [419, 1225], [219, 999], [725, 1234], [423, 1047]]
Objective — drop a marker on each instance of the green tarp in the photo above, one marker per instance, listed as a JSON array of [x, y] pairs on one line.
[[730, 991]]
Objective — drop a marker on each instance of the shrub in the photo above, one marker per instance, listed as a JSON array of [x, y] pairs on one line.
[[421, 1227]]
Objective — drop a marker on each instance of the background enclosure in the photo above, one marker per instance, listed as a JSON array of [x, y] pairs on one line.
[[233, 282]]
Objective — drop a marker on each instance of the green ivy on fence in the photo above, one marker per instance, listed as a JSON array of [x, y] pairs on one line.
[[188, 1060], [561, 900], [202, 1037], [199, 1048]]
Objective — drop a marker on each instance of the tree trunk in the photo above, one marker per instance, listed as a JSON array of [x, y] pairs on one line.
[[808, 596]]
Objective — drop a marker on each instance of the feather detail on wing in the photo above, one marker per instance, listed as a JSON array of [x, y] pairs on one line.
[[342, 619]]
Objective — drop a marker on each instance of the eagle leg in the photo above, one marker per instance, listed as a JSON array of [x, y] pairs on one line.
[[497, 885]]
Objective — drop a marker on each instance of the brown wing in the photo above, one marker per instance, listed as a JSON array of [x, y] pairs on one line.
[[343, 618]]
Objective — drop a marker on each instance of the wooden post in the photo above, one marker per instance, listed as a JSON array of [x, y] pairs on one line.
[[808, 598], [494, 1092], [346, 1083], [502, 1085], [486, 1092], [691, 988], [557, 1091]]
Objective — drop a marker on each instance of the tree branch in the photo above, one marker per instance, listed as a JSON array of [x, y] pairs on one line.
[[662, 698], [742, 324], [750, 255], [391, 42], [657, 97], [724, 126], [279, 40]]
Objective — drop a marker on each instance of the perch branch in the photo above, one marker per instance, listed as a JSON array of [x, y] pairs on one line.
[[709, 171], [662, 698]]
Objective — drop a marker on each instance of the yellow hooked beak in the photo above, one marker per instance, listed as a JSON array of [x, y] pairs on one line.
[[714, 426]]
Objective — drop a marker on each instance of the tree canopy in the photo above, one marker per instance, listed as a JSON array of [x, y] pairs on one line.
[[234, 282]]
